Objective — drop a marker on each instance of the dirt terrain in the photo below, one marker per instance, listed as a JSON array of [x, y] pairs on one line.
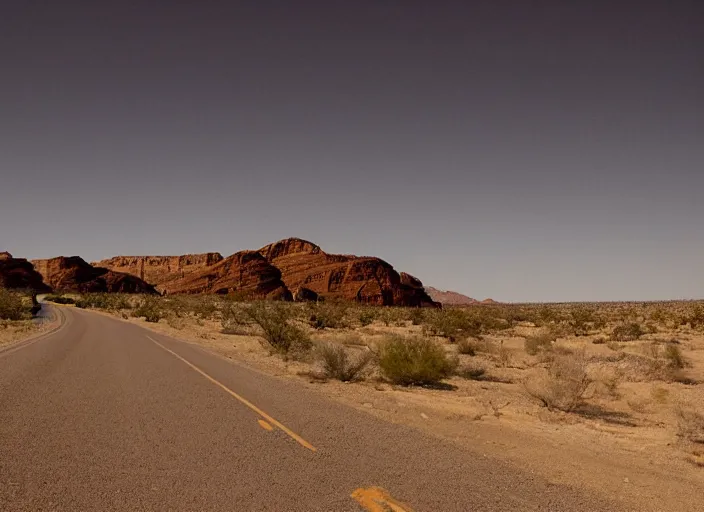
[[634, 430]]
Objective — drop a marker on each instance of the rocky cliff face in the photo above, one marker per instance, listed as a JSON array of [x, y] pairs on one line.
[[291, 267], [73, 274], [246, 272], [159, 270], [304, 265], [19, 273]]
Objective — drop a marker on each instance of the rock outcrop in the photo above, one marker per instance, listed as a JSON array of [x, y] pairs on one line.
[[73, 274], [450, 298], [18, 273], [291, 268], [159, 270], [363, 279], [246, 272]]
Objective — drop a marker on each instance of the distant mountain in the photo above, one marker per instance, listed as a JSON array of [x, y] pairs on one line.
[[448, 297]]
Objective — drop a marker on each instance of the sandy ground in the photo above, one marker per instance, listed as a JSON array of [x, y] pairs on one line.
[[15, 331], [623, 445]]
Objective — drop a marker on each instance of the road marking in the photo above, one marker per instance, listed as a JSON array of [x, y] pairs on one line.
[[376, 499], [265, 425], [246, 402]]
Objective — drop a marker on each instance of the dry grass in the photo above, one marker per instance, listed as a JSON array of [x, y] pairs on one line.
[[338, 363], [564, 384]]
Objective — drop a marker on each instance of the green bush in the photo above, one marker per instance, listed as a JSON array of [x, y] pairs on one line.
[[414, 360], [12, 306], [234, 319], [391, 315], [451, 323], [274, 319], [338, 364], [416, 316], [150, 309], [367, 315], [627, 332], [106, 301], [328, 314], [59, 299]]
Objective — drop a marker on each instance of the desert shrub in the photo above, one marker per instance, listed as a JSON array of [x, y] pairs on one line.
[[149, 308], [275, 321], [414, 360], [673, 356], [105, 301], [690, 424], [367, 315], [12, 306], [582, 319], [328, 314], [391, 315], [175, 321], [338, 364], [695, 316], [59, 299], [471, 372], [599, 341], [627, 332], [659, 316], [416, 315], [564, 384], [539, 342], [234, 319], [467, 346], [504, 355], [451, 323], [205, 307]]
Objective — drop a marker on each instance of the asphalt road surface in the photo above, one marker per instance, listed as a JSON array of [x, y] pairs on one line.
[[104, 415]]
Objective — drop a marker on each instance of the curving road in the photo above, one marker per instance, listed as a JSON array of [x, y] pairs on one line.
[[104, 415]]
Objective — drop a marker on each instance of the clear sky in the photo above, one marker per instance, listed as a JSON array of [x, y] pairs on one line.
[[525, 151]]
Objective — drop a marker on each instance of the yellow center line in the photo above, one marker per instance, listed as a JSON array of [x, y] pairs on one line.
[[265, 425], [243, 400]]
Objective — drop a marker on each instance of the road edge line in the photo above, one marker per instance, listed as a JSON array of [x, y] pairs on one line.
[[243, 400]]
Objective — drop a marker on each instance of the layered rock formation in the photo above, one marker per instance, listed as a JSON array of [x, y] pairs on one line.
[[288, 268], [246, 272], [159, 270], [363, 279], [73, 274], [450, 298], [19, 273]]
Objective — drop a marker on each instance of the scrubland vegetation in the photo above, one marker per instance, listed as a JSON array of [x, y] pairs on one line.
[[625, 365], [15, 315]]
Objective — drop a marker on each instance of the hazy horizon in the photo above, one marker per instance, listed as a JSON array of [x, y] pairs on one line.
[[528, 153]]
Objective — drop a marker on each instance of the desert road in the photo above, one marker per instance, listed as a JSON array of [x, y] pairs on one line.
[[105, 415]]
